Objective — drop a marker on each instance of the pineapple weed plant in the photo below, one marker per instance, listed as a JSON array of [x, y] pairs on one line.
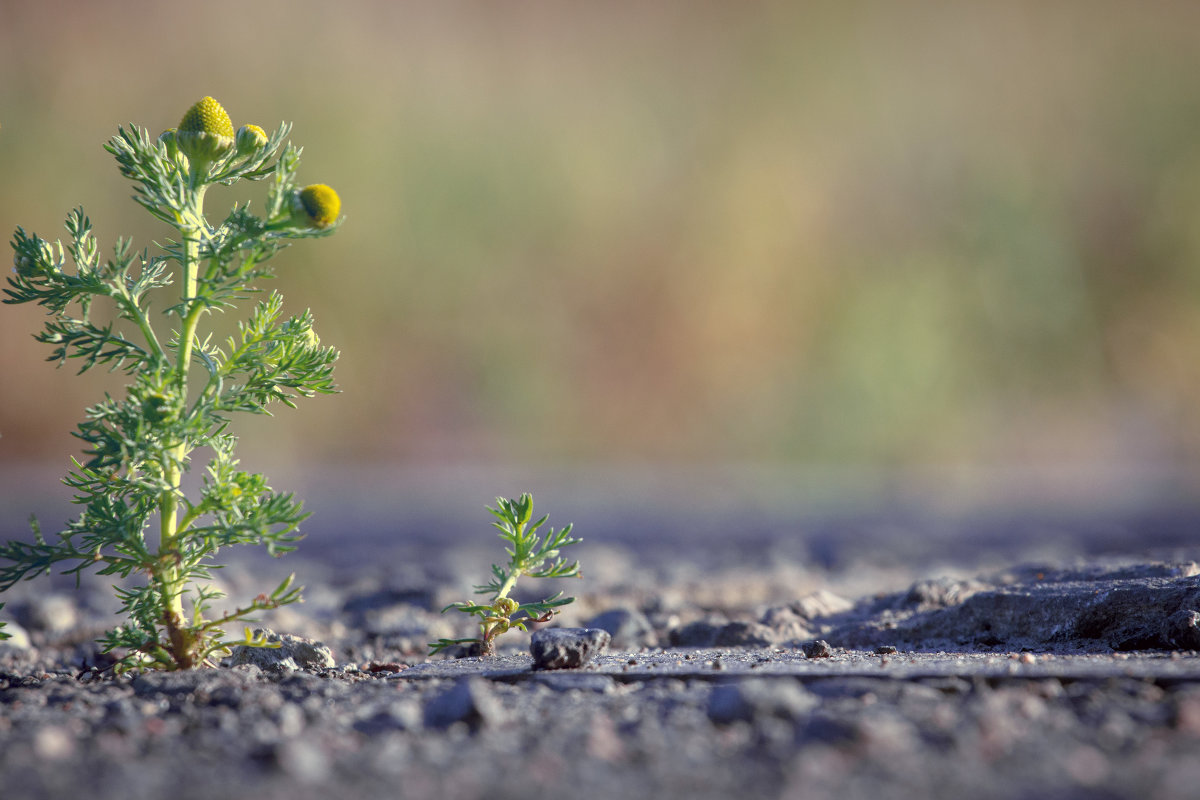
[[528, 555], [185, 388]]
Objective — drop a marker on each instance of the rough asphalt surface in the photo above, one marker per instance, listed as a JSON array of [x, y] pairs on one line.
[[725, 676]]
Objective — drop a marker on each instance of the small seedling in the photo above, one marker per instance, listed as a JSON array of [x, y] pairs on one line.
[[527, 556], [184, 387]]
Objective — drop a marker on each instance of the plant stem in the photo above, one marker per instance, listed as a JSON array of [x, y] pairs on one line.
[[171, 577]]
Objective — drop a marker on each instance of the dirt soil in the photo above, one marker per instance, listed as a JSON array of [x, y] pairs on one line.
[[792, 667]]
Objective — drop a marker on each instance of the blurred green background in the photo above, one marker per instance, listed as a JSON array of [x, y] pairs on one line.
[[885, 235]]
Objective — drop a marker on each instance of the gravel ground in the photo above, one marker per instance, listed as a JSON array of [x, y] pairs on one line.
[[757, 674]]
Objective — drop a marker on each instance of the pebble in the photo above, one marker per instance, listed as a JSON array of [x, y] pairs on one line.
[[566, 648], [293, 654], [818, 648]]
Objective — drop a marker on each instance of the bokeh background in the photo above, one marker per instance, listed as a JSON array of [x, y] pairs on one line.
[[737, 249]]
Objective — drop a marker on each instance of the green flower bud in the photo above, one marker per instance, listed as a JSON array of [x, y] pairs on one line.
[[316, 206], [506, 606], [249, 139], [205, 132], [167, 139]]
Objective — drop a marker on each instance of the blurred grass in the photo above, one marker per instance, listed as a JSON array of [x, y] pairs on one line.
[[880, 233]]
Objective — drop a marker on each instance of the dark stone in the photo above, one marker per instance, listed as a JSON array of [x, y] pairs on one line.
[[885, 650], [818, 648], [566, 648]]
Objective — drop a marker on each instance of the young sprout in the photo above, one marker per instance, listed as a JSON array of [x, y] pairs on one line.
[[528, 555]]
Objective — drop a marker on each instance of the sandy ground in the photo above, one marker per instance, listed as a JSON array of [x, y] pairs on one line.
[[998, 662]]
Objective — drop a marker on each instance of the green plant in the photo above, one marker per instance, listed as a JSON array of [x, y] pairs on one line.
[[184, 387], [3, 635], [527, 556]]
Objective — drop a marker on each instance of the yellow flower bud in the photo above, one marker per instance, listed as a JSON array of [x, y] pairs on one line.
[[316, 206], [249, 139], [205, 132]]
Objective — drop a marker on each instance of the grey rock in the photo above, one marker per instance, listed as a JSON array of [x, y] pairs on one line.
[[1182, 629], [294, 653], [818, 648], [469, 701], [566, 648], [748, 700], [628, 627]]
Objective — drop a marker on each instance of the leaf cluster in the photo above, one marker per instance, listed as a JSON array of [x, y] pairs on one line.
[[528, 555]]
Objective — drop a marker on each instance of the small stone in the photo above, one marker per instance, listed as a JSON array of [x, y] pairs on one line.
[[628, 627], [294, 653], [566, 648], [885, 650], [818, 648], [469, 701]]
